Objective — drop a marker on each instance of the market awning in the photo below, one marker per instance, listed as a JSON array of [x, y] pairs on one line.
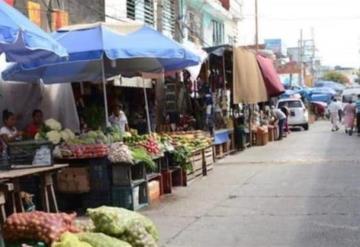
[[218, 50], [248, 83], [271, 78]]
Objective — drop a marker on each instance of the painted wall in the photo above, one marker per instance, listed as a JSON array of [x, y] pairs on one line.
[[79, 11]]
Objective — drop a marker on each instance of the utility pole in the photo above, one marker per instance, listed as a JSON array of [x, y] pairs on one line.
[[256, 26], [301, 50]]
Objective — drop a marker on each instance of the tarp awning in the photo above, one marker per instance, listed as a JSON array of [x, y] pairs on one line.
[[271, 78], [218, 50], [248, 83]]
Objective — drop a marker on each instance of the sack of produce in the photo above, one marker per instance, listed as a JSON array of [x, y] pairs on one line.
[[70, 240], [120, 153], [137, 236], [41, 226], [101, 240], [120, 222]]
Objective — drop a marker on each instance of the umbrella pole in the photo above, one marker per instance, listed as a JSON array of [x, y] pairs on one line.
[[147, 107], [105, 93]]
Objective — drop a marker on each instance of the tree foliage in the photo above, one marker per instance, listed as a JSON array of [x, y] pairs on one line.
[[337, 77]]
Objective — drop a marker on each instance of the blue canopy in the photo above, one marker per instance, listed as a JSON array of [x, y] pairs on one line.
[[128, 49], [323, 90], [24, 42], [330, 84], [321, 97]]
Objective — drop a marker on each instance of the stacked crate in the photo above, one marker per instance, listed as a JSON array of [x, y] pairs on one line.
[[130, 186]]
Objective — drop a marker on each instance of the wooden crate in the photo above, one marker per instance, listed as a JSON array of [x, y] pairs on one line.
[[272, 133], [219, 151], [73, 180], [208, 160], [262, 138]]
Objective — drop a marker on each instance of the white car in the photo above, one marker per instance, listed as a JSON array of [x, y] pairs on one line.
[[298, 115]]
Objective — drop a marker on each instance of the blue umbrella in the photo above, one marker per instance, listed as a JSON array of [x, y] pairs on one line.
[[24, 42], [99, 51]]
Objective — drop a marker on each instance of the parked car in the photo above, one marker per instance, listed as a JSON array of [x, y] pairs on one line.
[[298, 115]]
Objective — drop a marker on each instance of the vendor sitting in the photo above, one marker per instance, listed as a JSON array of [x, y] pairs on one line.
[[37, 121], [8, 132], [119, 119]]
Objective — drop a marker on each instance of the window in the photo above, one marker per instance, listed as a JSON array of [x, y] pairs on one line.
[[194, 25], [168, 17], [291, 104], [218, 32], [142, 10]]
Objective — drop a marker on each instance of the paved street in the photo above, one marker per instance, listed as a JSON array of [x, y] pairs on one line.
[[303, 191]]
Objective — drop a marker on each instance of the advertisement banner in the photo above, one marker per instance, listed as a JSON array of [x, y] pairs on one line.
[[34, 11]]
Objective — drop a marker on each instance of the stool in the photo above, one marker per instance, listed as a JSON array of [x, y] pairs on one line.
[[47, 187], [13, 192], [2, 206]]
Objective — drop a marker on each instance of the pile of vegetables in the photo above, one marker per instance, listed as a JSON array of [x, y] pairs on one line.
[[111, 227], [40, 226], [120, 153], [82, 151], [140, 155], [89, 239], [52, 131], [149, 143], [125, 225]]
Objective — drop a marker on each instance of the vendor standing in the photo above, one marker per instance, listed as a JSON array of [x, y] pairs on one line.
[[8, 132], [118, 118], [37, 121]]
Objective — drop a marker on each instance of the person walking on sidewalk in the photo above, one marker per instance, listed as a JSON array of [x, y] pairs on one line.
[[349, 117], [334, 109], [280, 118], [358, 115]]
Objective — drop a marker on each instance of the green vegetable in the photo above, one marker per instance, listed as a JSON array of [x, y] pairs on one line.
[[181, 157], [70, 240], [101, 240], [140, 155], [123, 223]]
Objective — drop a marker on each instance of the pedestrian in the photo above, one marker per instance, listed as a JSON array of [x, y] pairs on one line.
[[349, 117], [280, 119], [358, 115], [333, 109]]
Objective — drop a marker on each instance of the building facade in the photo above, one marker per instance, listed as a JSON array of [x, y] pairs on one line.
[[53, 14], [210, 22]]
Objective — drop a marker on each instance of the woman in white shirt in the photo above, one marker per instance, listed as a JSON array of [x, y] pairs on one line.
[[119, 119], [8, 132]]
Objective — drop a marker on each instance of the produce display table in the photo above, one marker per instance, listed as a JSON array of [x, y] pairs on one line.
[[47, 188]]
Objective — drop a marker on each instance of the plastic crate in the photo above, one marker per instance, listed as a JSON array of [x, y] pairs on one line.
[[130, 197], [27, 154], [126, 174], [100, 174], [96, 199]]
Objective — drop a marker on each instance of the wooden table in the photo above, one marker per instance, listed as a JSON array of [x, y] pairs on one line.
[[46, 186]]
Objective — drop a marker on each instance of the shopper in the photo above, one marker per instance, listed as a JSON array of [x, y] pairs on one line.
[[349, 117], [37, 121], [334, 109], [358, 115], [118, 118], [280, 118], [8, 132]]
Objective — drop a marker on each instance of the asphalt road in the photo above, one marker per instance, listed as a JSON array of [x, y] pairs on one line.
[[303, 191]]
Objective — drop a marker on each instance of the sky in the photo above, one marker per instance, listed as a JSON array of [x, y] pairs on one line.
[[336, 25]]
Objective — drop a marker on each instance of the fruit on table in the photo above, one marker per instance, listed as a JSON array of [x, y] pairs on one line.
[[101, 240], [70, 240], [120, 153]]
